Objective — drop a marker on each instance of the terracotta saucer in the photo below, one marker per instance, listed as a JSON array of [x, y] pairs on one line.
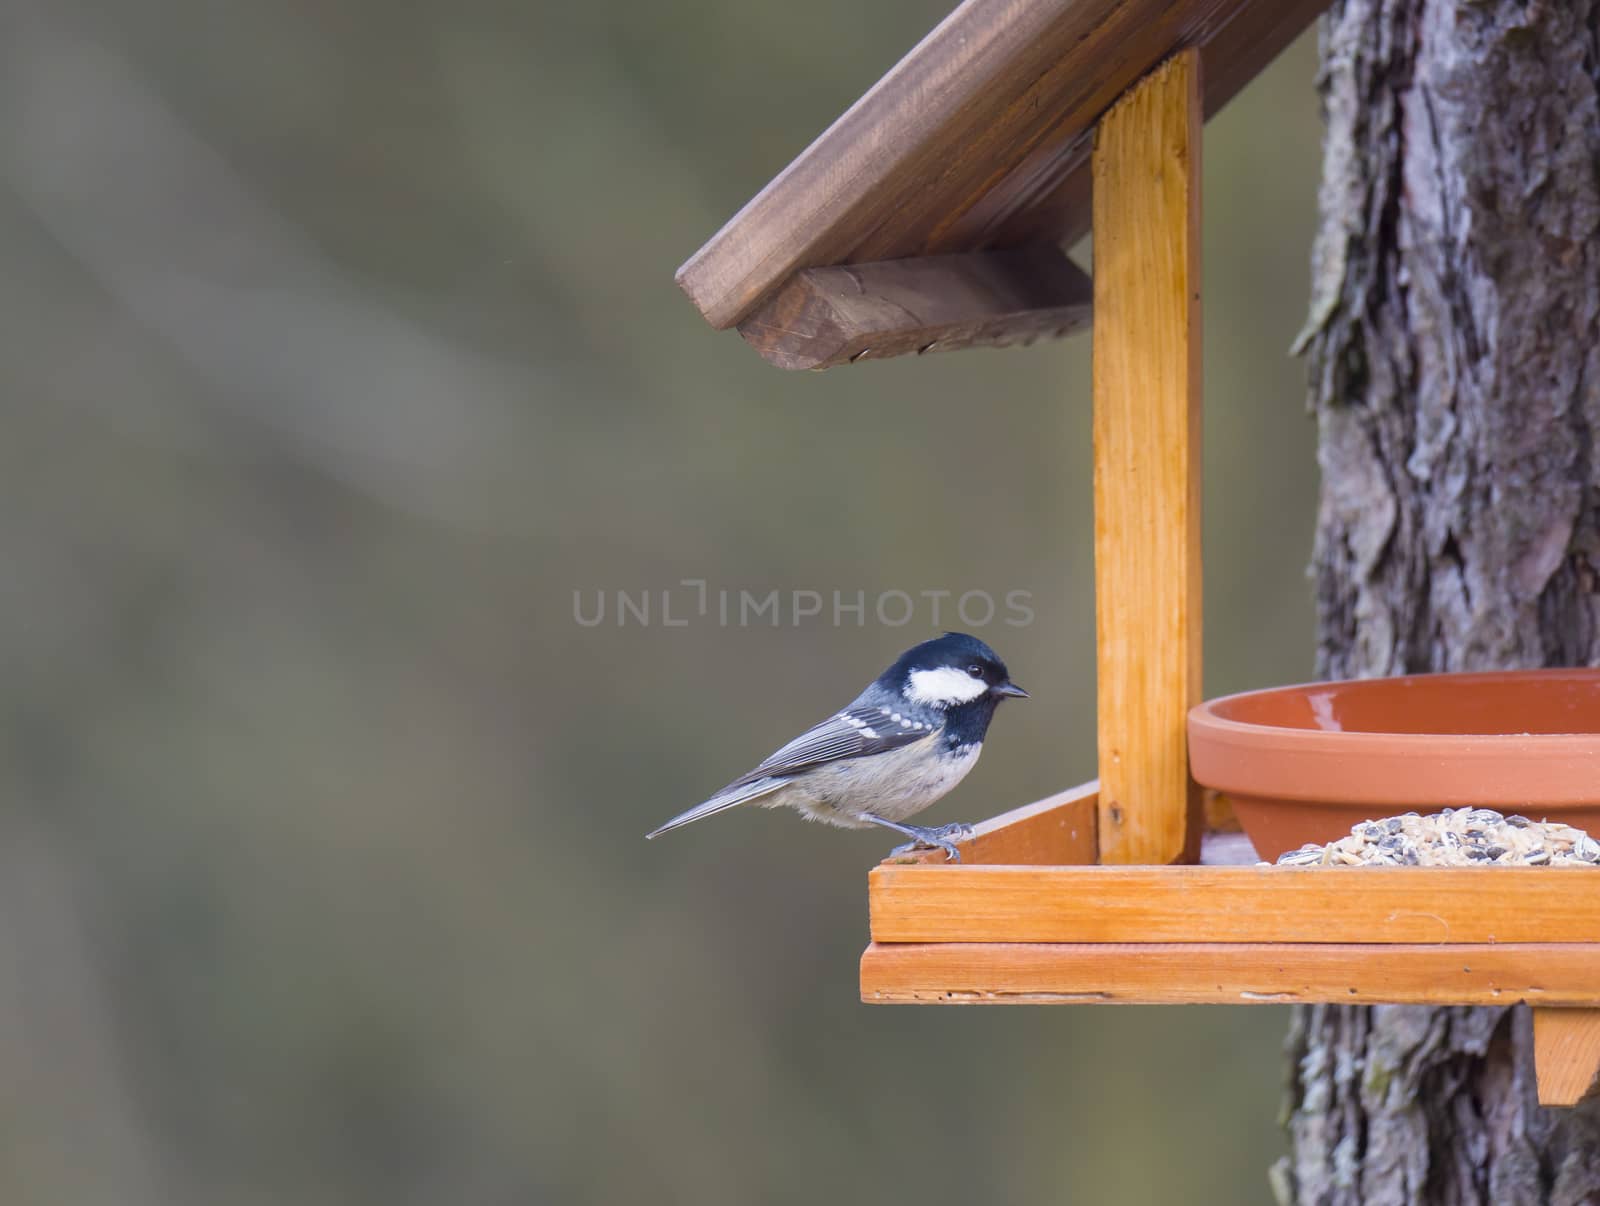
[[1303, 764]]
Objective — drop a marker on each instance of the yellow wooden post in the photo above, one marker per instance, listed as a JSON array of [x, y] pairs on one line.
[[1147, 461]]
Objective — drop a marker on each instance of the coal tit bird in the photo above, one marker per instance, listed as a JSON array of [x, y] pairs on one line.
[[904, 742]]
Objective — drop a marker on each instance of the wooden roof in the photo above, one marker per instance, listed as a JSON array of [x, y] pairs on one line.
[[978, 139]]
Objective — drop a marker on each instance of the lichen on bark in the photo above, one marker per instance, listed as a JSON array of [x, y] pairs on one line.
[[1453, 347]]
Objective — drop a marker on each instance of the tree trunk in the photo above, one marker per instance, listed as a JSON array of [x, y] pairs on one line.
[[1455, 375]]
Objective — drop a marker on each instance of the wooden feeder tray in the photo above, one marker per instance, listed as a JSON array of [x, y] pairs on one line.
[[1030, 917]]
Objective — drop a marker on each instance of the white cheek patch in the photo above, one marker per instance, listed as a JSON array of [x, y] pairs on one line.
[[943, 687]]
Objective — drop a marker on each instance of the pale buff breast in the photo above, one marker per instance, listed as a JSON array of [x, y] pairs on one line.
[[894, 786]]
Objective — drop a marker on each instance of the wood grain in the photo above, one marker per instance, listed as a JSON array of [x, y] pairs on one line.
[[824, 317], [1566, 1054], [977, 138], [1057, 188], [1234, 904], [1235, 974], [1147, 463], [1057, 830]]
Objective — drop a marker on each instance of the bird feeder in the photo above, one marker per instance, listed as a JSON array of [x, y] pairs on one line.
[[930, 217]]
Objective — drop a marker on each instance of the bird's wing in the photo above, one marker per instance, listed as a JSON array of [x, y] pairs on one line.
[[857, 731], [854, 733]]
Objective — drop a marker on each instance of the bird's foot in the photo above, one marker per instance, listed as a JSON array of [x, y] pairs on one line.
[[943, 838]]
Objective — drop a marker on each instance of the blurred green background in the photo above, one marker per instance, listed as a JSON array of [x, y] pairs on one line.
[[341, 349]]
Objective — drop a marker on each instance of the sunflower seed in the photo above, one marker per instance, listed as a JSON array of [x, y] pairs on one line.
[[1453, 837]]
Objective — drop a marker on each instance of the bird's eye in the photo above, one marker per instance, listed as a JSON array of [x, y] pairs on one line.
[[975, 670]]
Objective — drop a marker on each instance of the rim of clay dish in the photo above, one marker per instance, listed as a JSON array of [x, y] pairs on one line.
[[1421, 770]]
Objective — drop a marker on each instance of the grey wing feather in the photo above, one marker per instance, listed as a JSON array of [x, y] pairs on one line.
[[855, 732], [731, 796]]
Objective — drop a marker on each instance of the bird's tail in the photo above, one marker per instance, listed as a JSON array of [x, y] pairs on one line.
[[728, 797]]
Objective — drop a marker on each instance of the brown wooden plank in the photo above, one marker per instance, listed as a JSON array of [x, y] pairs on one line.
[[1566, 1054], [1054, 831], [1147, 463], [1234, 904], [977, 138], [1056, 187], [830, 316], [1230, 974], [1060, 831]]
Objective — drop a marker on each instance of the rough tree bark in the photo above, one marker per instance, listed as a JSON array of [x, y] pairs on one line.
[[1455, 375]]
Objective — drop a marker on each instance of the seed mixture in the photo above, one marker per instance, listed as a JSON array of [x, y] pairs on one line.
[[1460, 837]]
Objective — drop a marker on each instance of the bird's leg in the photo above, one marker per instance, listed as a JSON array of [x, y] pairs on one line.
[[937, 839]]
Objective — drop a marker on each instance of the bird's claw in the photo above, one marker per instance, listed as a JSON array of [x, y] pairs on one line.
[[943, 838], [952, 854]]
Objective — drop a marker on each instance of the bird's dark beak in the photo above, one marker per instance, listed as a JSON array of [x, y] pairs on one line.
[[1008, 690]]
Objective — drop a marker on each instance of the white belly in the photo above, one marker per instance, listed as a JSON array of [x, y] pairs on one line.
[[894, 786]]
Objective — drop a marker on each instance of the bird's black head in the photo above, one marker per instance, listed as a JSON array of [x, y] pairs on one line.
[[951, 672]]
